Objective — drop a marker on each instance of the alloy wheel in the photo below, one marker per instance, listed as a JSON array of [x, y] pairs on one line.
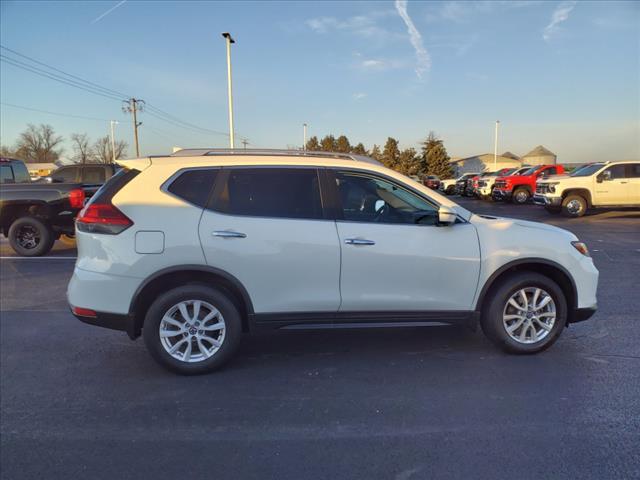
[[192, 331], [28, 237], [529, 315]]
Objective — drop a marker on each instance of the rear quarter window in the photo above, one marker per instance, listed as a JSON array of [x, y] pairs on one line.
[[194, 186]]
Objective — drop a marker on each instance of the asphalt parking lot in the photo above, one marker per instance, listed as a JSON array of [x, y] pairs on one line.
[[440, 402]]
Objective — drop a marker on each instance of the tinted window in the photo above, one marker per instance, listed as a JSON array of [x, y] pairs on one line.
[[617, 171], [372, 199], [93, 175], [194, 186], [65, 175], [6, 174], [634, 170], [271, 192], [20, 172]]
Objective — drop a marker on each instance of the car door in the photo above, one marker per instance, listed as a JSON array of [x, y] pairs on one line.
[[394, 256], [266, 226], [611, 186], [633, 185]]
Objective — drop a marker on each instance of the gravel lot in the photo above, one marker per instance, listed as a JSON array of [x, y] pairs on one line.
[[441, 402]]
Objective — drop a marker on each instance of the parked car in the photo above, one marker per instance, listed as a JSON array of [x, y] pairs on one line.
[[13, 171], [471, 185], [614, 184], [461, 183], [194, 249], [520, 188], [91, 175], [33, 215], [431, 181], [484, 189], [448, 186]]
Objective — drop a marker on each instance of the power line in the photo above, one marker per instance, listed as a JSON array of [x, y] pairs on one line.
[[107, 90], [56, 113]]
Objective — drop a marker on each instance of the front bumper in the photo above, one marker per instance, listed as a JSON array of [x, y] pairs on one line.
[[500, 194], [539, 199]]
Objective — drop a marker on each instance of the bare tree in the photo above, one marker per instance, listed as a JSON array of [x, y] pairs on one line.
[[39, 144], [82, 151], [102, 150]]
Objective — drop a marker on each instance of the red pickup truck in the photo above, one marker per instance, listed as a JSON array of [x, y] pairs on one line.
[[520, 188]]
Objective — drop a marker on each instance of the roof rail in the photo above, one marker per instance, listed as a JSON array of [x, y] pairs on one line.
[[199, 152]]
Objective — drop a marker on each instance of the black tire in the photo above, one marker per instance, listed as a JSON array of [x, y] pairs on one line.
[[554, 210], [520, 196], [451, 189], [30, 237], [232, 334], [574, 206], [495, 304]]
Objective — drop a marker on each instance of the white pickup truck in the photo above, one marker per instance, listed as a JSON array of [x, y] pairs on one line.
[[605, 184]]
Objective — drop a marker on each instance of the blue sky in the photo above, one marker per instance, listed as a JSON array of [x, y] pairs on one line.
[[562, 74]]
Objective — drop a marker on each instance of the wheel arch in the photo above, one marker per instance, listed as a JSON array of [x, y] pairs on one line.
[[176, 276], [548, 268], [583, 192]]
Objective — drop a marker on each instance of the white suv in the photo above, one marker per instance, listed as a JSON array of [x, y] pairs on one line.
[[605, 184], [193, 249]]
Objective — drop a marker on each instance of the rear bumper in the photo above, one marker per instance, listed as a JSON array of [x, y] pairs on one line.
[[539, 199], [112, 321]]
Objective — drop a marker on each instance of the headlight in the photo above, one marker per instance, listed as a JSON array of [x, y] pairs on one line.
[[581, 247], [552, 187]]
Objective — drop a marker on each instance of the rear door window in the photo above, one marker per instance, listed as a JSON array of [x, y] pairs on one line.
[[194, 185], [634, 170], [276, 192], [65, 175]]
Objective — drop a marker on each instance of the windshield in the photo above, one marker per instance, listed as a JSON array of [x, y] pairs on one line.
[[586, 170], [530, 171]]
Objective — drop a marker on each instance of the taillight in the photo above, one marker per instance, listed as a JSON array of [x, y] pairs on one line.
[[76, 198], [102, 218]]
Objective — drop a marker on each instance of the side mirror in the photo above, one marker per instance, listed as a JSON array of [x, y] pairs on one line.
[[446, 215], [606, 175]]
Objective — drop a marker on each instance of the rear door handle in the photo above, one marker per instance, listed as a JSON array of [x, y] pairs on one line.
[[228, 234], [359, 241]]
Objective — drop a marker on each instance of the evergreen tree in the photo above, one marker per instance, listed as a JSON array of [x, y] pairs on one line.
[[342, 144], [409, 162], [391, 153], [328, 144], [359, 149], [435, 157], [313, 144], [376, 154]]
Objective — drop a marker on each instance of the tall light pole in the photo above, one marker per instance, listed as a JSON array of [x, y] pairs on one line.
[[113, 142], [304, 136], [229, 41], [495, 147]]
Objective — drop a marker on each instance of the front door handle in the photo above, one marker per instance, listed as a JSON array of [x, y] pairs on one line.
[[359, 241], [228, 234]]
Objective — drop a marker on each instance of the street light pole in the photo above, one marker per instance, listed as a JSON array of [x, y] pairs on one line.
[[229, 41], [495, 147], [304, 136], [113, 142]]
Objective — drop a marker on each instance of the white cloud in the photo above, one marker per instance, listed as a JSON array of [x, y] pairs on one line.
[[560, 14], [361, 25], [359, 95], [423, 60], [464, 11], [371, 63]]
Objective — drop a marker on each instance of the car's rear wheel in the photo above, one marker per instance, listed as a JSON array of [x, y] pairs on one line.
[[451, 189], [526, 313], [192, 329], [30, 237], [574, 206], [521, 196]]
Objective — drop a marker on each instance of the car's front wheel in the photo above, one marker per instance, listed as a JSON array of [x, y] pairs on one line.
[[192, 329], [526, 313], [451, 189], [521, 196], [574, 206]]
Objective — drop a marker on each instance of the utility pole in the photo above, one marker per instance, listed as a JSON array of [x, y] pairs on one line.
[[134, 105], [113, 142], [495, 147], [245, 142], [304, 136], [229, 41]]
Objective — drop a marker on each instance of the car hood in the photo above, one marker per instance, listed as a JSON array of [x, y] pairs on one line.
[[505, 224]]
